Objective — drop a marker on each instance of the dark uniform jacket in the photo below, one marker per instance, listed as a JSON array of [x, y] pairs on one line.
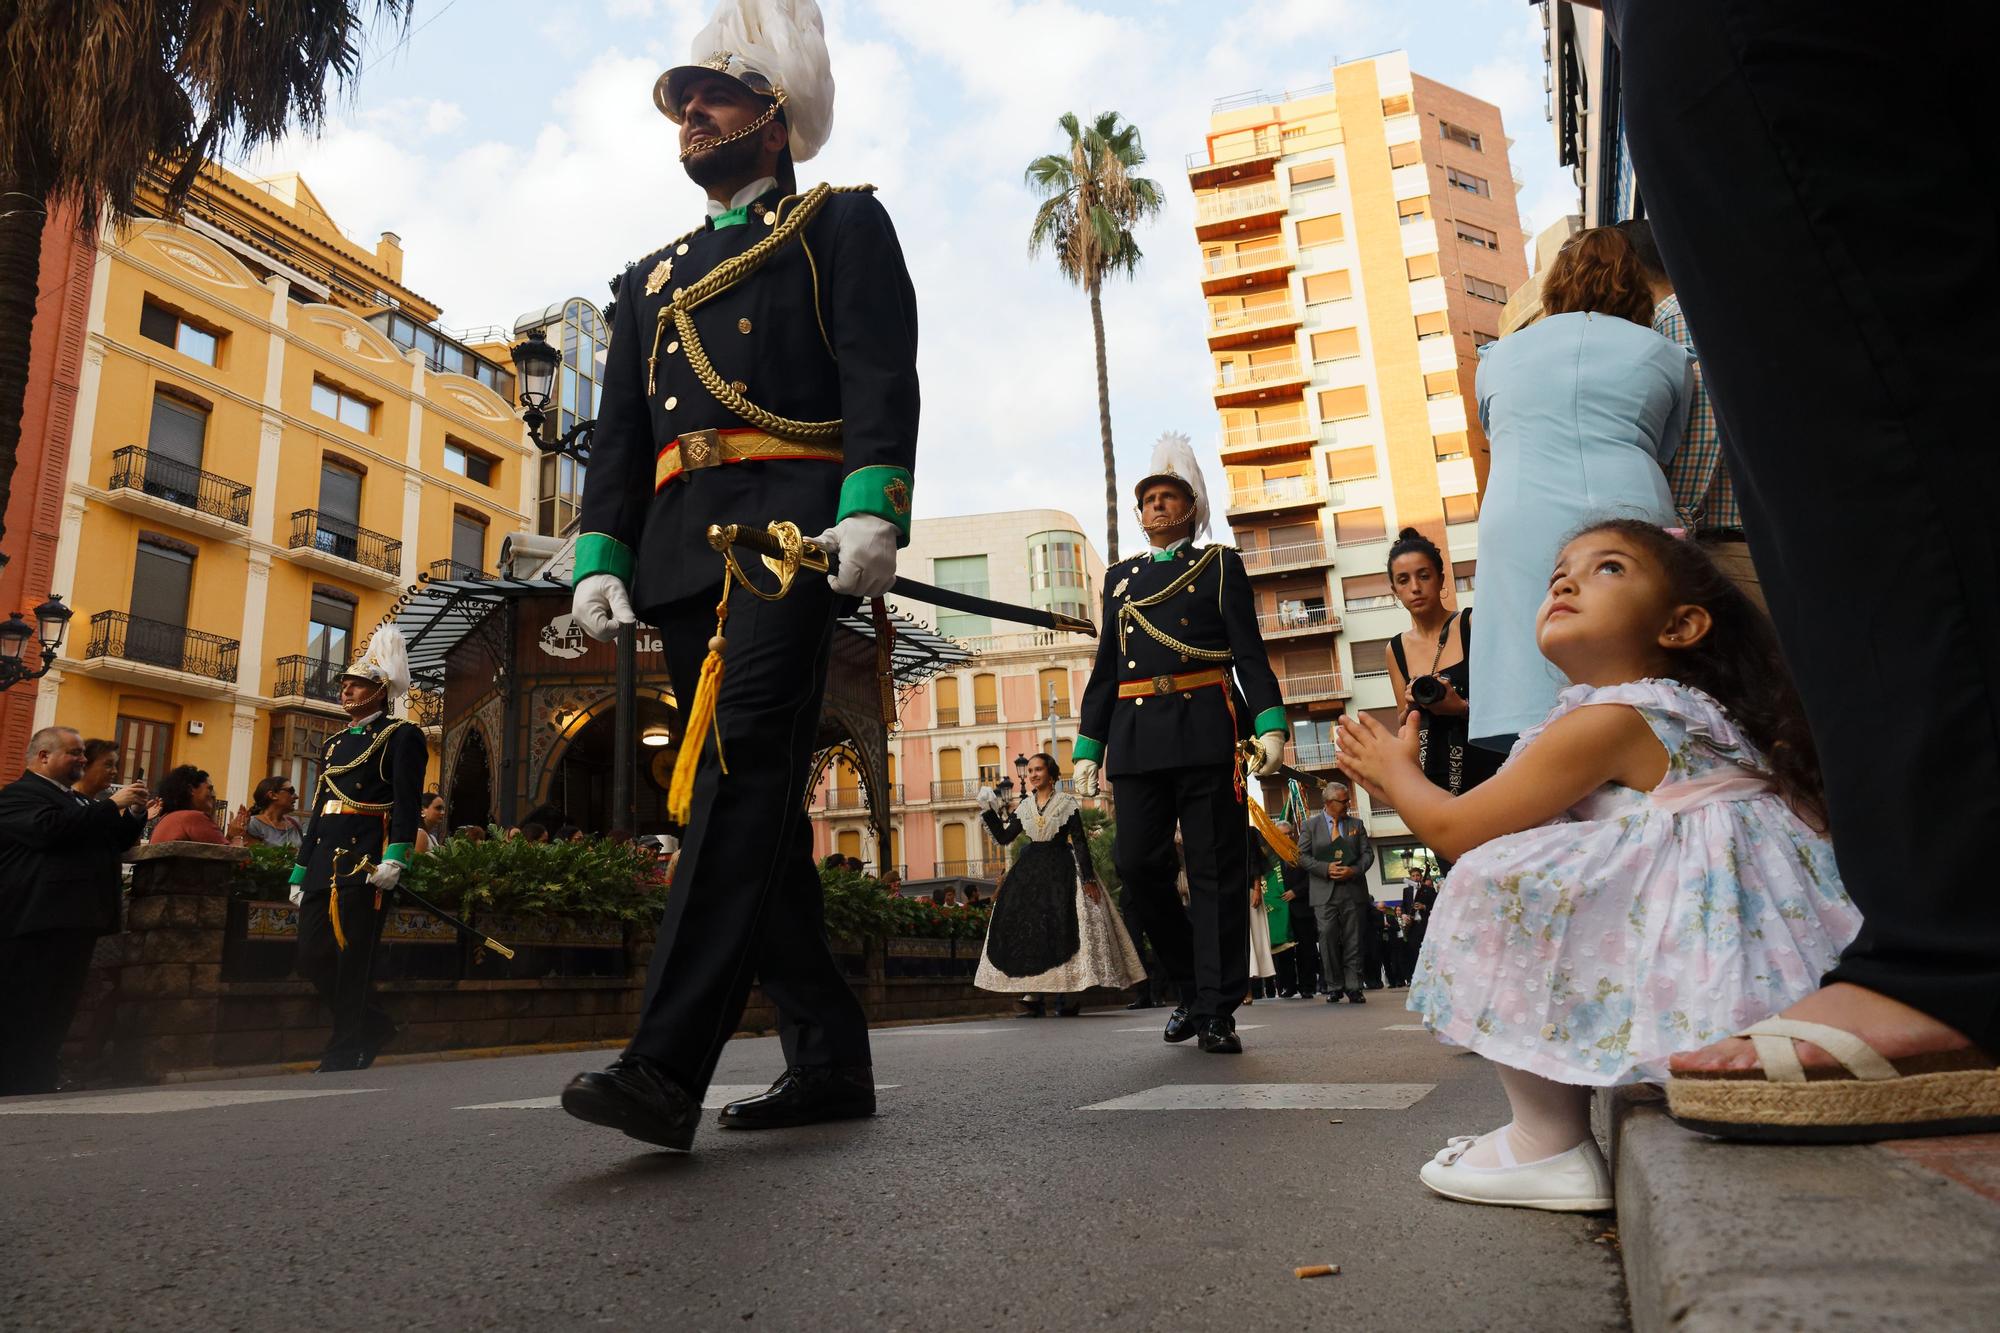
[[59, 857], [367, 802], [826, 329], [1201, 600]]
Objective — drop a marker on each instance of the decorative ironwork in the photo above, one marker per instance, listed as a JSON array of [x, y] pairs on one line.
[[157, 643], [456, 572], [313, 530], [306, 677], [424, 705], [163, 478]]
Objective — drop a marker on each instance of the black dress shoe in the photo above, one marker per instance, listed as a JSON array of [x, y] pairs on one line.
[[1333, 997], [806, 1095], [376, 1040], [1032, 1007], [1218, 1037], [339, 1064], [1144, 1002], [637, 1097], [1356, 997], [1180, 1025]]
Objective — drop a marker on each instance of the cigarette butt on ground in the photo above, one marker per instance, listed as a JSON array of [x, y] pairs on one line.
[[1317, 1270], [1336, 1122]]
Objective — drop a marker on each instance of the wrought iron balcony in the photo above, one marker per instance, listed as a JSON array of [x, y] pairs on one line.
[[1315, 754], [956, 789], [316, 531], [133, 468], [301, 676], [156, 643], [984, 715], [424, 705], [457, 572], [1297, 620], [972, 869]]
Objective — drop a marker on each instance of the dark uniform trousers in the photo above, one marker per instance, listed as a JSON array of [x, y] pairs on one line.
[[1298, 966], [344, 976], [745, 905], [1205, 948], [1774, 153]]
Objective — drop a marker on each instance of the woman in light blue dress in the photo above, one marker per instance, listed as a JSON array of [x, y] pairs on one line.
[[1584, 410]]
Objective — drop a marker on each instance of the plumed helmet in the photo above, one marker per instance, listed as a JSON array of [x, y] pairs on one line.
[[776, 49], [385, 661], [1173, 460]]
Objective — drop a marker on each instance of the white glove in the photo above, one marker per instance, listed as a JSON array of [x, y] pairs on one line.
[[601, 605], [297, 895], [1084, 775], [989, 800], [385, 875], [1270, 753], [866, 546]]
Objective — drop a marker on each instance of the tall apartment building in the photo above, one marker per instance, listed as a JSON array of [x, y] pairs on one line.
[[1358, 240], [965, 729], [271, 439]]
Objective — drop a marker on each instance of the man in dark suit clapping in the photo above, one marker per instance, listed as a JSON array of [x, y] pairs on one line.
[[59, 890]]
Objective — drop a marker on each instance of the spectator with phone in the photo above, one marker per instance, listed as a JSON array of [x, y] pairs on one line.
[[187, 810], [59, 890], [1437, 641]]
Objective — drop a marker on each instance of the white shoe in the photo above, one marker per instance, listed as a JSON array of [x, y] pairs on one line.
[[1576, 1181]]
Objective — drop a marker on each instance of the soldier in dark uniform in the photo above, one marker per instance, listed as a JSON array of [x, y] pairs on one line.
[[1180, 678], [762, 366], [364, 814]]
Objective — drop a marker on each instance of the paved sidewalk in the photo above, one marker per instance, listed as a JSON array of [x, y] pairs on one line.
[[1728, 1237]]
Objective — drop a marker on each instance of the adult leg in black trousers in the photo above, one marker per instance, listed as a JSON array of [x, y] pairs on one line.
[[746, 900], [1214, 825], [41, 979], [1150, 988], [1836, 306], [1305, 951], [341, 976], [1143, 847]]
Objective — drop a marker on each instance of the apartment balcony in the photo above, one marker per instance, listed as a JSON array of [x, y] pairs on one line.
[[303, 679], [957, 790], [1315, 687], [1267, 441], [147, 484], [1314, 755], [1250, 266], [985, 715], [971, 869], [1277, 495], [1243, 385], [1297, 622], [342, 548], [1235, 324], [1031, 641], [853, 800], [455, 571], [1208, 168], [1290, 557], [138, 651], [1230, 212]]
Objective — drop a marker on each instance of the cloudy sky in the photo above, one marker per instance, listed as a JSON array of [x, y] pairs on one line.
[[514, 147]]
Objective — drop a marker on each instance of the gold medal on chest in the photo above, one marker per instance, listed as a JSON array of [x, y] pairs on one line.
[[1119, 591], [658, 277]]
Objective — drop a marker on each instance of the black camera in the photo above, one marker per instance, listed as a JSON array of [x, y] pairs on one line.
[[1427, 692]]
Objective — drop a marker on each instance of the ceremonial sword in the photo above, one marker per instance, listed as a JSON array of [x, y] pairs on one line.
[[822, 561], [367, 865]]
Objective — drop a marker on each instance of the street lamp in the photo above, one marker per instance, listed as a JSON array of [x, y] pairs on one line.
[[51, 623], [535, 365], [1021, 771]]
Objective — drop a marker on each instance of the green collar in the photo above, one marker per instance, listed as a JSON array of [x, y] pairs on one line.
[[735, 217]]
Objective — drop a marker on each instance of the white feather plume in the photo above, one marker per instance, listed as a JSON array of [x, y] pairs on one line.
[[1173, 456], [785, 41], [386, 660]]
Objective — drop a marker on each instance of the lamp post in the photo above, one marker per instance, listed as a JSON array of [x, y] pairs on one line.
[[536, 362], [51, 623]]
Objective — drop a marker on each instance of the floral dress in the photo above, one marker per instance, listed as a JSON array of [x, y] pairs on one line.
[[1636, 924]]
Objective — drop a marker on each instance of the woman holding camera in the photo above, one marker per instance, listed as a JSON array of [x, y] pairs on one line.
[[1441, 685]]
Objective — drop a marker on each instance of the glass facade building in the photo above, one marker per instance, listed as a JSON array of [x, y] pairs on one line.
[[579, 329]]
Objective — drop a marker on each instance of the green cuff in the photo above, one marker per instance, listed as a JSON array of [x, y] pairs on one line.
[[298, 875], [879, 490], [1271, 719], [1086, 748], [398, 852], [600, 553]]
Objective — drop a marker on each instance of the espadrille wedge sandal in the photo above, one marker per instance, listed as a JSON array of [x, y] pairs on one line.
[[1870, 1098]]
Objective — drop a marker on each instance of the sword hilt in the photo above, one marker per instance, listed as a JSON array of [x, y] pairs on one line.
[[722, 536]]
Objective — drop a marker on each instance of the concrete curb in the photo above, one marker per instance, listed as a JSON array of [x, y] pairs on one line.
[[1721, 1237]]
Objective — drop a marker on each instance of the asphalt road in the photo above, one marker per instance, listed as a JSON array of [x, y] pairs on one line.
[[993, 1191]]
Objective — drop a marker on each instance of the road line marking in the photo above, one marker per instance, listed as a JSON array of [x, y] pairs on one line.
[[1157, 1027], [168, 1099], [719, 1096], [1406, 1027], [938, 1030], [1270, 1097]]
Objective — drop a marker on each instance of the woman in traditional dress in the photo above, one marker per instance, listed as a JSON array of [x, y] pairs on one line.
[[1054, 930]]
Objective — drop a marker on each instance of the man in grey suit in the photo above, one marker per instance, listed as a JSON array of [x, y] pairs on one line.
[[1337, 852]]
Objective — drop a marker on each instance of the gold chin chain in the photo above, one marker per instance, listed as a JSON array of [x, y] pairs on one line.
[[1129, 612], [770, 111], [680, 311]]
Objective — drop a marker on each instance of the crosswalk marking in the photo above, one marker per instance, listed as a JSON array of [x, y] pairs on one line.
[[1270, 1097], [1157, 1027], [938, 1030], [1406, 1027], [168, 1099], [719, 1095]]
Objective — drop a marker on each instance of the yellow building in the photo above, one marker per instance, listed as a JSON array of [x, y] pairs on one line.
[[272, 440], [1359, 240]]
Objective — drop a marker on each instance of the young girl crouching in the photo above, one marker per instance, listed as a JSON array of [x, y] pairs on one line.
[[1648, 872]]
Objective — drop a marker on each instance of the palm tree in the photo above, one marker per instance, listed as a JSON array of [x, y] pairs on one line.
[[1090, 203], [94, 95]]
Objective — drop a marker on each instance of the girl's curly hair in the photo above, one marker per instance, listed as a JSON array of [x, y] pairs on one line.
[[1738, 663]]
